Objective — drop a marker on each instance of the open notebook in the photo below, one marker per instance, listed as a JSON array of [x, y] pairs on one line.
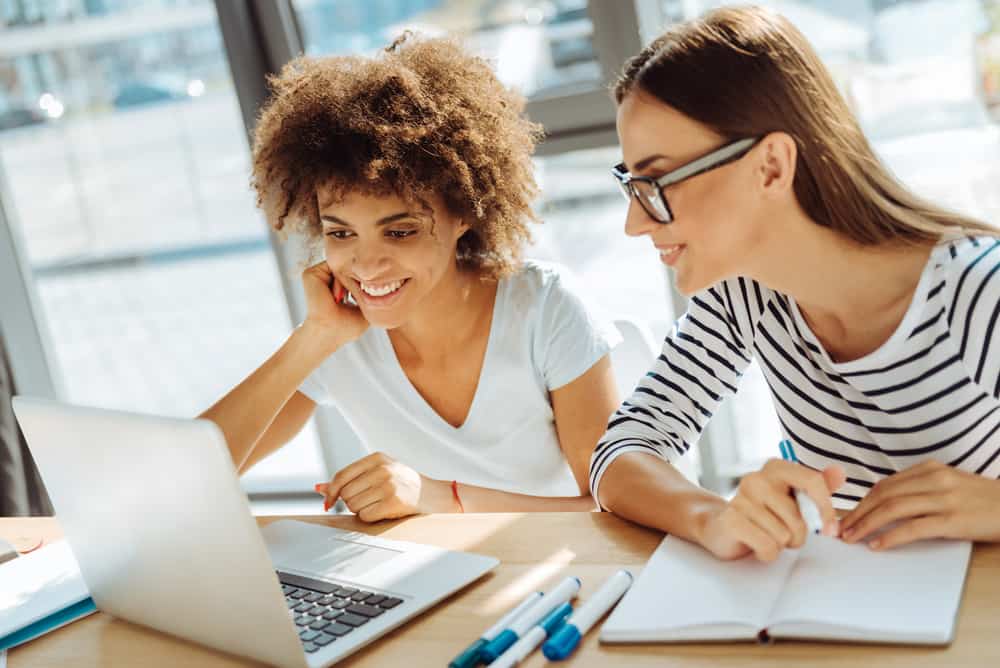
[[828, 590]]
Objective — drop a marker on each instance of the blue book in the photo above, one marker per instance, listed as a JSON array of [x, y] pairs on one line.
[[40, 592], [50, 623]]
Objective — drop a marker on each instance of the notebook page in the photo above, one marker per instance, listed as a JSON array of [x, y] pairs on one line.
[[904, 594], [685, 593]]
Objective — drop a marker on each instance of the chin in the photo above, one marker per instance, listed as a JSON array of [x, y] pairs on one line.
[[384, 320], [689, 285], [686, 286]]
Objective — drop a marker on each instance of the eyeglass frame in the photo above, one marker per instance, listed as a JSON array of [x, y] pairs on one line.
[[723, 155]]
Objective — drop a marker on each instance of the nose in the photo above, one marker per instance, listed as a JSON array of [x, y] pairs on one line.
[[370, 261], [637, 221]]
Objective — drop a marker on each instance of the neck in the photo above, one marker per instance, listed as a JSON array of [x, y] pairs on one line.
[[448, 316], [834, 279]]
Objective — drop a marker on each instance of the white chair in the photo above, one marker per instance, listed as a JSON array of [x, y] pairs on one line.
[[631, 360]]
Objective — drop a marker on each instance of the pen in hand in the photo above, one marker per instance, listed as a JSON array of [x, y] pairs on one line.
[[807, 507]]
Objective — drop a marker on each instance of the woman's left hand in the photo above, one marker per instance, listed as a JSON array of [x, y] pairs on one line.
[[929, 500], [378, 487]]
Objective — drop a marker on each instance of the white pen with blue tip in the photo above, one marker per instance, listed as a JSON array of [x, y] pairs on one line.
[[807, 507], [530, 641], [564, 592], [562, 643], [472, 655]]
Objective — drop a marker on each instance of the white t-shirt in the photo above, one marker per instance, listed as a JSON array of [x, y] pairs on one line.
[[542, 337]]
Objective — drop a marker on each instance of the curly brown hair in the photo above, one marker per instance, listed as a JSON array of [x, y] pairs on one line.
[[422, 118]]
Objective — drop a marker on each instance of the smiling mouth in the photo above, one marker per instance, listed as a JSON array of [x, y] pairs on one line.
[[669, 254], [381, 289], [379, 295]]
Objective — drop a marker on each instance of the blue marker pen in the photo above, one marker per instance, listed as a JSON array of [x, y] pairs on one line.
[[565, 640], [473, 653], [807, 507], [533, 638], [566, 590]]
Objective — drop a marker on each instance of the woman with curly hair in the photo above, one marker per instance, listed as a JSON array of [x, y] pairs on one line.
[[872, 312], [480, 381]]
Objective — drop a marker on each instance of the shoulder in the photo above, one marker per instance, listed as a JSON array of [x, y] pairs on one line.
[[538, 276], [970, 267], [742, 301], [971, 257], [549, 300], [537, 284]]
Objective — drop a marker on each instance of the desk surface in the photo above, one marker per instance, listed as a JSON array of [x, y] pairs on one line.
[[534, 550]]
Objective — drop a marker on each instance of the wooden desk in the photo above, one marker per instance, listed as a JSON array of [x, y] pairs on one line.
[[535, 550]]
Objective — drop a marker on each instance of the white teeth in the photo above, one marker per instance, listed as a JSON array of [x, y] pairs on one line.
[[669, 250], [381, 290]]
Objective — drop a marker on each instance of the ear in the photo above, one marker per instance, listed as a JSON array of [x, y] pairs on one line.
[[776, 167], [461, 229]]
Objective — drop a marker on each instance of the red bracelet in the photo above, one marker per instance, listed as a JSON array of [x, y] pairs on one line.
[[458, 499]]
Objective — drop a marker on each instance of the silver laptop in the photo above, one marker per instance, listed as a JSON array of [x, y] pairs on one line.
[[157, 520]]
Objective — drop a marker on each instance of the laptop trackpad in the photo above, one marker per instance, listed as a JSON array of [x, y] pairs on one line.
[[323, 550]]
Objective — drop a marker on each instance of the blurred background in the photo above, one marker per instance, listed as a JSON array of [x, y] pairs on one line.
[[136, 273]]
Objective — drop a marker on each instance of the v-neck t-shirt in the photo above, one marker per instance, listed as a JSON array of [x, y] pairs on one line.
[[543, 336]]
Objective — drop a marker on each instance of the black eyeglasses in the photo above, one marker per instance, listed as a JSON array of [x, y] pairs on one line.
[[649, 191]]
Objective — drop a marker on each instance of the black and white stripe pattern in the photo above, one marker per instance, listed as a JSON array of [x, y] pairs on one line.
[[932, 391]]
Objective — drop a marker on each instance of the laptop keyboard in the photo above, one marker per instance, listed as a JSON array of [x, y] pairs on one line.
[[324, 611]]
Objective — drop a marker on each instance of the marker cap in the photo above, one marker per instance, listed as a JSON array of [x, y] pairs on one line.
[[498, 646], [562, 643], [556, 618], [470, 657]]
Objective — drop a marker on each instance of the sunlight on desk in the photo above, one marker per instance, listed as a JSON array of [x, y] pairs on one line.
[[540, 578], [476, 532]]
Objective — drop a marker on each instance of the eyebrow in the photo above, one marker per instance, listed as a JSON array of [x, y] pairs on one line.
[[327, 218], [646, 162]]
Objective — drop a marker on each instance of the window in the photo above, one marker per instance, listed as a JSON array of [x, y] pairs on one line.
[[558, 53], [583, 218], [542, 48], [126, 165]]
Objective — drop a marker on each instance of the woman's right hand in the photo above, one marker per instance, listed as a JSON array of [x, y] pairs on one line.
[[326, 313], [763, 518]]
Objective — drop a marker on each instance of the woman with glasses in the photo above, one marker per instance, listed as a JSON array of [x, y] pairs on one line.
[[872, 312], [477, 381]]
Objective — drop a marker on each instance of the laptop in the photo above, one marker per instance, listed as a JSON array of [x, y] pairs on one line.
[[154, 513]]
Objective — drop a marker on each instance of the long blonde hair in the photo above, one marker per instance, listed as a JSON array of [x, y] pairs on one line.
[[746, 72]]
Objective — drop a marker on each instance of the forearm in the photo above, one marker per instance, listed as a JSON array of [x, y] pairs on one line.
[[650, 491], [274, 438], [487, 500], [245, 413]]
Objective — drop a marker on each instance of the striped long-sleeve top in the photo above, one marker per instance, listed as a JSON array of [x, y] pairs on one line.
[[931, 391]]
